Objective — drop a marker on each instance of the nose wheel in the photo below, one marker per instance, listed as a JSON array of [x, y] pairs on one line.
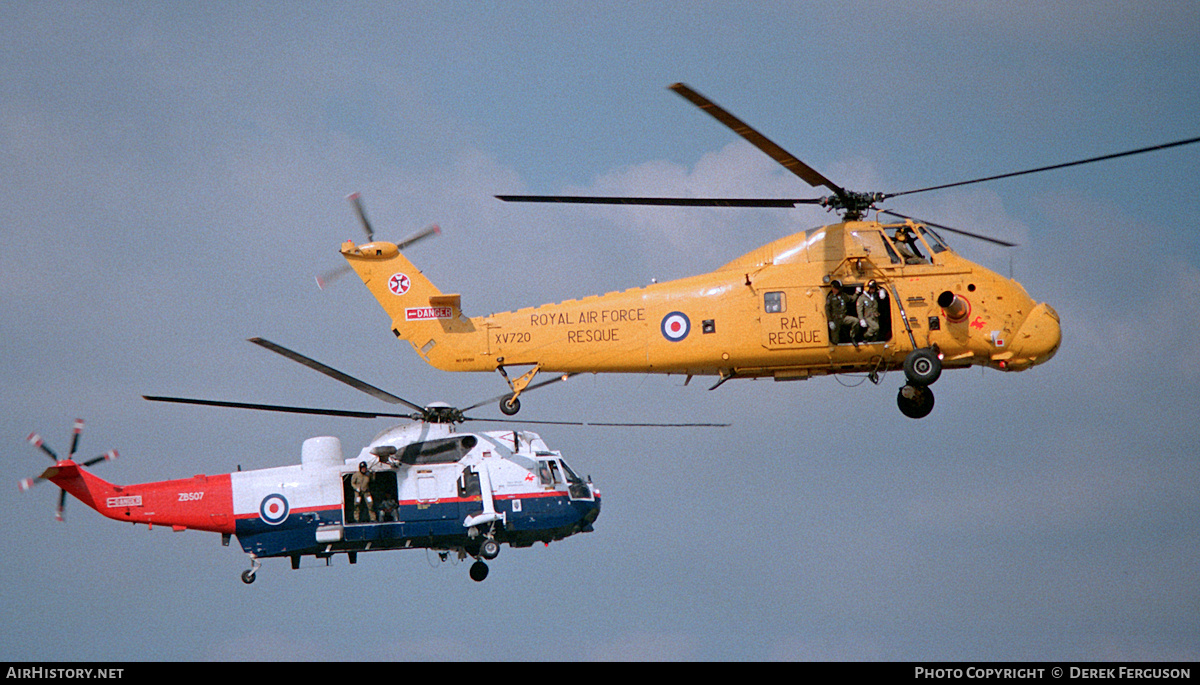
[[915, 401], [479, 571]]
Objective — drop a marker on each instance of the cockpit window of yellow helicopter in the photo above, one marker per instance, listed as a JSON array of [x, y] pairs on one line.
[[936, 243], [911, 249], [873, 243]]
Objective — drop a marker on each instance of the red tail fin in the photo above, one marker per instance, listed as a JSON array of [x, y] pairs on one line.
[[81, 484]]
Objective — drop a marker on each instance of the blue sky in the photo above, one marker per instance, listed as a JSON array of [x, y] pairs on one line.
[[176, 175]]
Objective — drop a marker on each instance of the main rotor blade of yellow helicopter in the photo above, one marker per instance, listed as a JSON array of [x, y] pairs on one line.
[[666, 201], [758, 140], [1089, 160]]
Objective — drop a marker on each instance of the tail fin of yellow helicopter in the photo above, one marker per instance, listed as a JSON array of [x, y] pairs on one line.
[[420, 312]]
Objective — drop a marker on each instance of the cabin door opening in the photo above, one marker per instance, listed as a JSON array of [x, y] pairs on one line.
[[383, 504]]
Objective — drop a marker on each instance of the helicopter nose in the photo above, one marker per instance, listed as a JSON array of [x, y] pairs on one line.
[[593, 512], [1040, 335]]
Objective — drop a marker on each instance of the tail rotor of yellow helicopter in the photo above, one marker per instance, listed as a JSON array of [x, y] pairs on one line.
[[355, 199]]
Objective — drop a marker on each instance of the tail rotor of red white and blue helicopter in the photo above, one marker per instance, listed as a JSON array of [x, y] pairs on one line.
[[36, 440]]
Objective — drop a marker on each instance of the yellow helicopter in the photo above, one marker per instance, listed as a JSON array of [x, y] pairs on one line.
[[857, 296]]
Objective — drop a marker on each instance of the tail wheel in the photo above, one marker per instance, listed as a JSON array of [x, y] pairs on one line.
[[249, 574], [922, 367]]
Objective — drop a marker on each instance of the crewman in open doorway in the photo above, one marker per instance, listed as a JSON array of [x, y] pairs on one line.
[[361, 482], [868, 312], [839, 308]]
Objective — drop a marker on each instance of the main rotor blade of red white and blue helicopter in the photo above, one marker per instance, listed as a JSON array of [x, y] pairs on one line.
[[607, 424], [333, 373], [316, 411]]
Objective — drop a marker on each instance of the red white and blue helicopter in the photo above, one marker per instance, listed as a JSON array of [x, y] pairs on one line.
[[425, 485]]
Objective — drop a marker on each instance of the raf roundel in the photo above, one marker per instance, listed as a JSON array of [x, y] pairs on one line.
[[676, 326], [398, 284], [274, 509]]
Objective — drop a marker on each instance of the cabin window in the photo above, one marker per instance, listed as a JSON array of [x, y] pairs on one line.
[[774, 303], [544, 476]]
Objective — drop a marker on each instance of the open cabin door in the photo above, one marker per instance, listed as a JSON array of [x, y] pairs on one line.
[[868, 256]]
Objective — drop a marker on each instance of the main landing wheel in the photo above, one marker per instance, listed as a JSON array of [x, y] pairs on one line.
[[489, 549], [922, 367], [915, 401], [479, 571], [510, 406]]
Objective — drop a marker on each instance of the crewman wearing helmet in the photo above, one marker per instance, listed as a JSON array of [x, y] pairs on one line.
[[838, 312], [868, 311]]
